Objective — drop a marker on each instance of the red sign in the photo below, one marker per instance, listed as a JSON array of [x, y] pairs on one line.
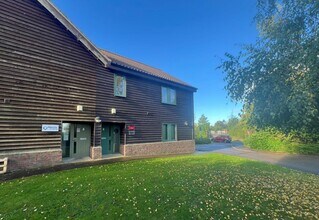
[[131, 127]]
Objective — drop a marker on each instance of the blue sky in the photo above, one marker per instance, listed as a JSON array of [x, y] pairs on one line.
[[184, 38]]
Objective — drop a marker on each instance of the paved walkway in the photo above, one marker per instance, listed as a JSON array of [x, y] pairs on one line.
[[306, 163]]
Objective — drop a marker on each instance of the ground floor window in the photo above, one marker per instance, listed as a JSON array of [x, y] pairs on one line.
[[66, 139], [169, 132]]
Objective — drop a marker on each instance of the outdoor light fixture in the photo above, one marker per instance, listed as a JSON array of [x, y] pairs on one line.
[[113, 111], [79, 108], [6, 101], [186, 123], [97, 119]]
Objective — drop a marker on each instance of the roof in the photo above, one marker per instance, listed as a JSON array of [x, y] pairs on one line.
[[106, 57], [137, 66], [71, 27]]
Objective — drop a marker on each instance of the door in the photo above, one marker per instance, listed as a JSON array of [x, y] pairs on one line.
[[80, 140], [110, 138], [116, 130], [106, 139]]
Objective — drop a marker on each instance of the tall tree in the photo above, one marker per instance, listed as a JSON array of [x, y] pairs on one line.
[[279, 74], [232, 122], [203, 127]]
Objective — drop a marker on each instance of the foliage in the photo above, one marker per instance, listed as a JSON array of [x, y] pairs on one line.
[[274, 140], [202, 128], [279, 74], [210, 186], [202, 141], [219, 126], [238, 128], [238, 132], [232, 122]]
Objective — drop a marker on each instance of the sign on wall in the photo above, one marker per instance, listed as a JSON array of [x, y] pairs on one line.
[[50, 128], [131, 129]]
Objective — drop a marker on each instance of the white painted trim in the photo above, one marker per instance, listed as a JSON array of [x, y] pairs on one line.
[[76, 32]]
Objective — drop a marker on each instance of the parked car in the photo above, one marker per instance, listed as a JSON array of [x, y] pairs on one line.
[[222, 138]]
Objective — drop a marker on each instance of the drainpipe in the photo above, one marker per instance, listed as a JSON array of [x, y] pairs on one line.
[[96, 120]]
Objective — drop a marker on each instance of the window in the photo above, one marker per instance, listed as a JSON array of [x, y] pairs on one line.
[[169, 132], [168, 96], [119, 85], [66, 139]]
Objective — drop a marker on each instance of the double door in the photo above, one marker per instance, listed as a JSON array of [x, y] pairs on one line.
[[110, 138], [76, 140]]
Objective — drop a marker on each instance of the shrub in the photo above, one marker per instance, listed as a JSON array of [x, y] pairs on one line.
[[202, 141], [238, 132], [274, 140]]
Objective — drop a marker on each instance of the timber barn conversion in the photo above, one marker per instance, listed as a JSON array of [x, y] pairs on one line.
[[62, 98]]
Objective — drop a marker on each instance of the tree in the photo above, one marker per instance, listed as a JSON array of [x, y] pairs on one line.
[[219, 125], [279, 74], [238, 128], [202, 128], [232, 122]]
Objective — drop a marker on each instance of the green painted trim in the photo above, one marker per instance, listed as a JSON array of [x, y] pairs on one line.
[[169, 132], [168, 94]]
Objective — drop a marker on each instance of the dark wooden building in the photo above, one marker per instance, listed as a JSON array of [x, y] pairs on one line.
[[61, 97]]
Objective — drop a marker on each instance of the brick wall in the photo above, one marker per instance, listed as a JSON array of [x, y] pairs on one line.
[[27, 159], [160, 148], [96, 153]]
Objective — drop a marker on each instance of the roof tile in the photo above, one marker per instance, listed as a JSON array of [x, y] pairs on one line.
[[137, 66]]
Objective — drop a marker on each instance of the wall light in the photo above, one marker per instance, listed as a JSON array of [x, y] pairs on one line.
[[97, 119], [113, 111], [79, 108]]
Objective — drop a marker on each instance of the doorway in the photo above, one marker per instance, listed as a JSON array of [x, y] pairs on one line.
[[110, 138], [76, 140]]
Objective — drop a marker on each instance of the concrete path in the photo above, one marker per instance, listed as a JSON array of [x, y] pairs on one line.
[[306, 163]]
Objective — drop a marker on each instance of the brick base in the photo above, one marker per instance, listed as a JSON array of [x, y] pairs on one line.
[[96, 153], [27, 159], [159, 148]]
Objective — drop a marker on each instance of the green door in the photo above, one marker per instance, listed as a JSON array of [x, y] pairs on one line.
[[110, 139], [80, 140], [106, 138]]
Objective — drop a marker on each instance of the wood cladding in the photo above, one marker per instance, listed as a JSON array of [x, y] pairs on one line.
[[45, 73]]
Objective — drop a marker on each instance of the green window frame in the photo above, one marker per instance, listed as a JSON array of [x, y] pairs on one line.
[[119, 85], [169, 132], [168, 96]]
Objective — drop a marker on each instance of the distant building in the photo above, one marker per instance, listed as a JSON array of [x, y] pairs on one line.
[[216, 133]]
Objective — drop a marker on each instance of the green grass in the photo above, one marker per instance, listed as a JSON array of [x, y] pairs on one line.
[[185, 187]]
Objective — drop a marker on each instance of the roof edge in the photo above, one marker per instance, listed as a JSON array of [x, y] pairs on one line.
[[145, 75], [75, 31]]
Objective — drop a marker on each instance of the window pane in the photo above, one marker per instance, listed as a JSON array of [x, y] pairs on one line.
[[172, 96], [164, 132], [164, 95], [65, 139], [168, 96], [172, 132], [119, 86]]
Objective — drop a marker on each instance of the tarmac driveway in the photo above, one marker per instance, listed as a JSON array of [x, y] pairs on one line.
[[306, 163]]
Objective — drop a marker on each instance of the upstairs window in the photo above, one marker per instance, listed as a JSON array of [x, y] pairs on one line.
[[119, 85], [169, 132], [168, 96]]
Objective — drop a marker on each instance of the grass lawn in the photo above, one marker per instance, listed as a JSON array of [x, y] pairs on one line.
[[185, 187]]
